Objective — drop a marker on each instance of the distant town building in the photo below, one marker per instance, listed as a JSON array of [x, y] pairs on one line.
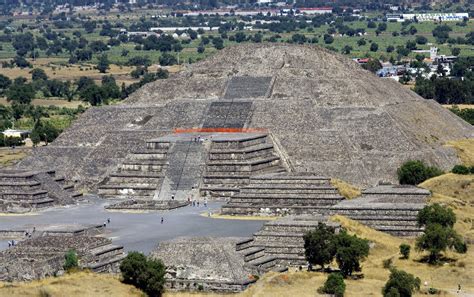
[[16, 133], [442, 17], [315, 10], [426, 17]]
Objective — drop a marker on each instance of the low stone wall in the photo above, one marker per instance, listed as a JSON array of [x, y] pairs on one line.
[[206, 285]]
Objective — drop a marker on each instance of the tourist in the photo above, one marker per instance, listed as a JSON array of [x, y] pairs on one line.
[[162, 220], [205, 202], [198, 203], [108, 220]]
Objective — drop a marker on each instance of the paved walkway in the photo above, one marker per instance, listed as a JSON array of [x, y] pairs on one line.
[[139, 231]]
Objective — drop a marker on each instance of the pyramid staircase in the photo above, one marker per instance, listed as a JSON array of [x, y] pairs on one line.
[[232, 162], [283, 194], [140, 175]]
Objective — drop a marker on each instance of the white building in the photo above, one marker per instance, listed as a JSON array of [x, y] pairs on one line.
[[16, 133], [443, 17]]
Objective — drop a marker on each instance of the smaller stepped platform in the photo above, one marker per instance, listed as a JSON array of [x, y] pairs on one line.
[[140, 175], [280, 243], [233, 159], [210, 262], [147, 205], [283, 194], [388, 208], [42, 256], [26, 190]]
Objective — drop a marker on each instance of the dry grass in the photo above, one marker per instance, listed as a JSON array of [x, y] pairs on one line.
[[71, 285], [460, 106], [9, 156], [345, 189], [456, 191], [54, 70], [454, 185], [48, 102], [465, 150]]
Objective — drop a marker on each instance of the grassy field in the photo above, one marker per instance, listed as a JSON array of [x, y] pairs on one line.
[[10, 156], [71, 285], [51, 102]]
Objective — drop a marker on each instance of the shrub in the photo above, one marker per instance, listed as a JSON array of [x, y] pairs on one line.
[[319, 245], [350, 250], [334, 285], [145, 274], [402, 283], [393, 292], [460, 169], [433, 291], [437, 239], [436, 214], [405, 250], [415, 172], [387, 263], [70, 260]]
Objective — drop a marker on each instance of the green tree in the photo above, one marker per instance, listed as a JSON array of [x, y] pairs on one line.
[[415, 172], [401, 282], [361, 42], [167, 60], [436, 214], [393, 292], [5, 83], [70, 260], [460, 169], [346, 50], [200, 49], [374, 47], [455, 51], [439, 233], [35, 137], [145, 274], [319, 245], [21, 93], [103, 65], [405, 250], [334, 285], [93, 94], [350, 250], [110, 87], [240, 37], [38, 74], [373, 65]]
